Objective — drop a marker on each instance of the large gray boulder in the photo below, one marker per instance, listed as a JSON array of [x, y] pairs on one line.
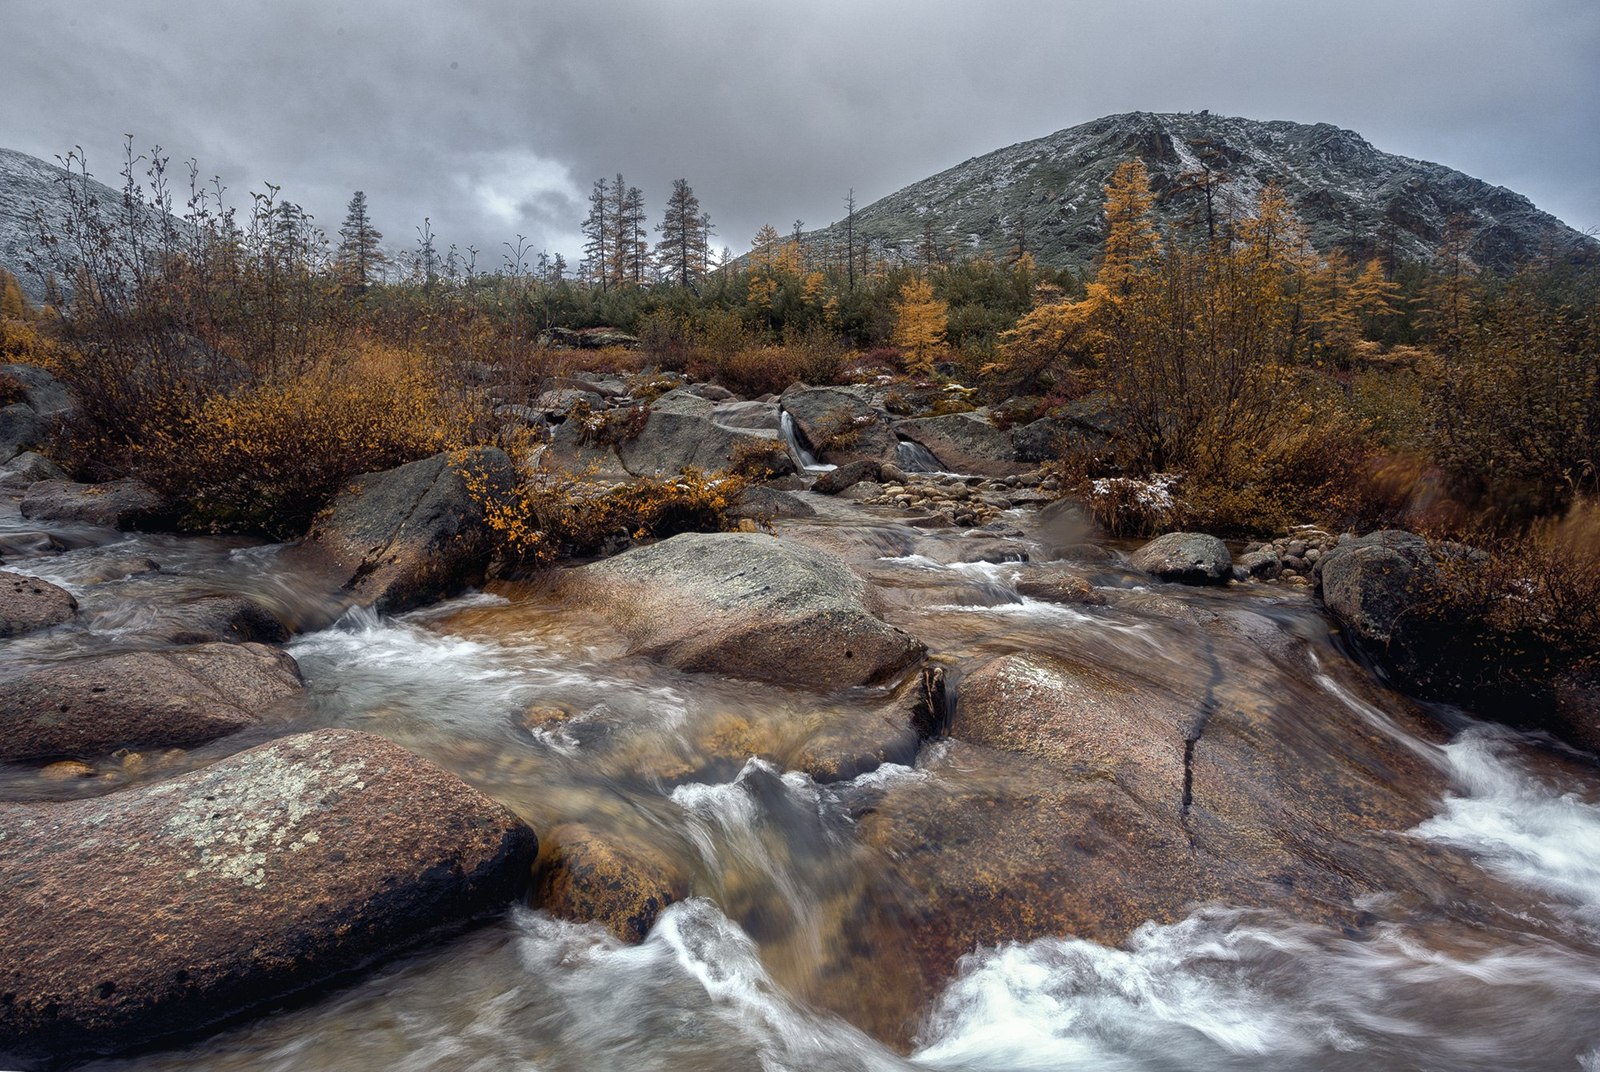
[[685, 430], [411, 535], [149, 699], [28, 604], [748, 606], [27, 469], [1369, 583], [160, 910], [1185, 557], [118, 504], [846, 418], [30, 421], [965, 443]]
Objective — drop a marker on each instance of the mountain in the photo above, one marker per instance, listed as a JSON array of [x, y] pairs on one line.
[[1350, 195], [26, 182]]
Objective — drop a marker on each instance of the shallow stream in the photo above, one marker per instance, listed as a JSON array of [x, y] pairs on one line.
[[764, 967]]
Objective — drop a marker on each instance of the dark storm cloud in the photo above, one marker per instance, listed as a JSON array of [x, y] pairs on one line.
[[493, 118]]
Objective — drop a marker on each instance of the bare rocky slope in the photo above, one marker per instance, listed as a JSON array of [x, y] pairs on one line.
[[1349, 194]]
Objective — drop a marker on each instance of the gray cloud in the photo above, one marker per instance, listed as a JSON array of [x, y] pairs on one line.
[[493, 117]]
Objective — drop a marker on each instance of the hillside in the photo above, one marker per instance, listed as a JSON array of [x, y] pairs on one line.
[[1349, 194], [28, 183]]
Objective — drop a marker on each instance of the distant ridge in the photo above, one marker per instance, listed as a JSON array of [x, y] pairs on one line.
[[27, 182], [1350, 195]]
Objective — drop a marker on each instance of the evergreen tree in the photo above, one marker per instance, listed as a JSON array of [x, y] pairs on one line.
[[597, 232], [684, 230], [360, 257]]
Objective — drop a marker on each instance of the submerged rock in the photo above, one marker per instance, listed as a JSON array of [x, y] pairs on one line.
[[748, 606], [162, 910], [28, 604], [1185, 557], [93, 706], [411, 535], [585, 876]]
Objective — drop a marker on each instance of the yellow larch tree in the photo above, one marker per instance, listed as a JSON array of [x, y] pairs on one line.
[[920, 321]]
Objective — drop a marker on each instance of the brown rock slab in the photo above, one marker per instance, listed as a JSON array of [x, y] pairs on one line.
[[163, 910], [92, 706], [28, 604]]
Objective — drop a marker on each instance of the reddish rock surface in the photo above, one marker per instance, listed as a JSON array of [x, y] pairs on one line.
[[89, 707], [28, 604], [162, 910]]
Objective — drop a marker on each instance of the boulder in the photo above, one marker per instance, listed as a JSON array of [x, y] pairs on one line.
[[748, 606], [412, 535], [840, 424], [27, 469], [847, 475], [28, 604], [584, 876], [685, 429], [1368, 583], [766, 504], [21, 429], [41, 391], [148, 699], [231, 618], [1185, 557], [119, 504], [1056, 582], [28, 423], [1263, 564], [965, 443], [159, 911]]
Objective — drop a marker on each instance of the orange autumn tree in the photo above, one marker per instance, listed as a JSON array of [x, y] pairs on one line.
[[920, 322]]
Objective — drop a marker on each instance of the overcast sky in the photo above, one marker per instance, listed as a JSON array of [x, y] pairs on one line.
[[494, 117]]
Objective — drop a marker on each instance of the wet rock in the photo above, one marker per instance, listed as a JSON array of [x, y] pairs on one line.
[[749, 606], [841, 424], [95, 705], [965, 443], [27, 469], [117, 567], [1262, 564], [1091, 799], [862, 491], [1185, 557], [161, 910], [234, 619], [28, 604], [1057, 583], [409, 536], [586, 876], [847, 475], [120, 504], [766, 504], [842, 744]]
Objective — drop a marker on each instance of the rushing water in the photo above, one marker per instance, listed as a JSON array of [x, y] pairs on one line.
[[541, 708]]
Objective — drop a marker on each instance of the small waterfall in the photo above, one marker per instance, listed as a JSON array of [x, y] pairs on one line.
[[916, 458], [803, 458]]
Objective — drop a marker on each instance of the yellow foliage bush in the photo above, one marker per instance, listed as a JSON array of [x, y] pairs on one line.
[[266, 457], [553, 514]]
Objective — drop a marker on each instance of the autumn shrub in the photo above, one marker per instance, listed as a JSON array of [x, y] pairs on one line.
[[554, 514], [759, 371], [759, 459], [1501, 627], [266, 457]]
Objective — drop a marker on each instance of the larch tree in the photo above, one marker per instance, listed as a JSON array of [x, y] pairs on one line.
[[360, 255], [920, 322], [684, 231]]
